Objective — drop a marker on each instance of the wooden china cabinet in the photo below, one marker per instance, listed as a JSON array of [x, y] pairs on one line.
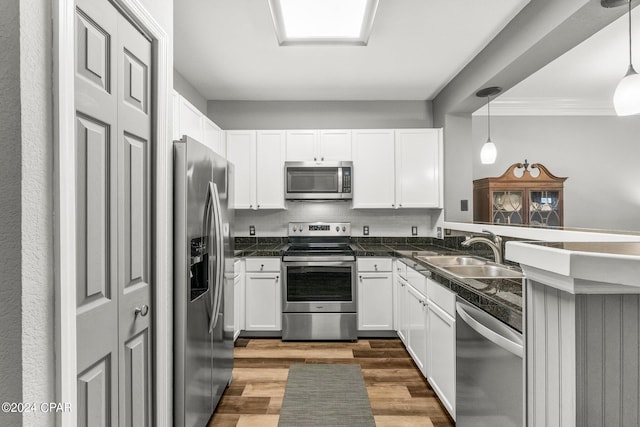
[[525, 194]]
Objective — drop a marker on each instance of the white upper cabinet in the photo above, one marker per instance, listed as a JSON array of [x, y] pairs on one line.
[[418, 168], [241, 151], [188, 120], [318, 146], [335, 145], [301, 145], [258, 157], [191, 120], [213, 137], [270, 153], [397, 169], [373, 168]]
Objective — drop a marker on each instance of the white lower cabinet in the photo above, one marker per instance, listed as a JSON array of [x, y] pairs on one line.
[[415, 310], [263, 294], [375, 294], [238, 298], [441, 348]]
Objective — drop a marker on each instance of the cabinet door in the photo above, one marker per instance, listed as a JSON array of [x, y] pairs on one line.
[[190, 120], [375, 301], [270, 154], [262, 302], [416, 327], [401, 309], [418, 181], [442, 355], [373, 169], [241, 151], [237, 303], [335, 145], [213, 137], [302, 145]]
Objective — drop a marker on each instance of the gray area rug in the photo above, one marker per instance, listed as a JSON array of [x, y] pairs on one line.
[[326, 395]]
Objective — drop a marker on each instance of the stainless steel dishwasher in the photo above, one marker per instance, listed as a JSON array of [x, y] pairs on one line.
[[489, 370]]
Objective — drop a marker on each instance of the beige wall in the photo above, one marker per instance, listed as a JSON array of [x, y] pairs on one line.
[[599, 155], [320, 114]]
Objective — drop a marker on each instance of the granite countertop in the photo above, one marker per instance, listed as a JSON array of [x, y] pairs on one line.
[[502, 298]]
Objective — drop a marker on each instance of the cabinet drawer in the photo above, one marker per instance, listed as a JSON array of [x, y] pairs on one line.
[[442, 297], [262, 264], [374, 264], [417, 280], [401, 269]]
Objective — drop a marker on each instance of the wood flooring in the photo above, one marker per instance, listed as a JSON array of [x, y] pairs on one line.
[[399, 394]]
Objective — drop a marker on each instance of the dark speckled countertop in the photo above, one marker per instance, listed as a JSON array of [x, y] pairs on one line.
[[500, 297]]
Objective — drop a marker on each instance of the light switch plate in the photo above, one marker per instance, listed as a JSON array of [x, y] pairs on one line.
[[414, 230], [365, 230], [252, 230]]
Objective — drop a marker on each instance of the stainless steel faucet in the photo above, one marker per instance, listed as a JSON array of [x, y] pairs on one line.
[[495, 243]]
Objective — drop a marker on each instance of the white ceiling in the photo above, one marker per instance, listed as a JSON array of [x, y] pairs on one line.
[[580, 82], [228, 50]]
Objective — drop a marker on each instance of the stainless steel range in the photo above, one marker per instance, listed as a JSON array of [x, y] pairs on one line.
[[319, 286]]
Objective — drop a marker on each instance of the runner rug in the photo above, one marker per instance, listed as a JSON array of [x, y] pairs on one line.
[[326, 395]]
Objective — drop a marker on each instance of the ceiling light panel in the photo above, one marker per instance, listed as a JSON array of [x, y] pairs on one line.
[[323, 21]]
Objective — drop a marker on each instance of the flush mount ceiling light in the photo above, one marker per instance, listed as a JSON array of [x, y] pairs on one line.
[[626, 98], [489, 152], [323, 21]]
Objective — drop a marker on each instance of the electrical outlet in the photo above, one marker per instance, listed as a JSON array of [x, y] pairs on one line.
[[365, 230], [464, 205], [439, 233], [414, 230], [252, 230]]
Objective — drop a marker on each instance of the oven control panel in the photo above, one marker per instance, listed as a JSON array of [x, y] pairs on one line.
[[319, 229]]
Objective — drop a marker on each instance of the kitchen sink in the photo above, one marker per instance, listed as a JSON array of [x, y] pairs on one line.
[[452, 260], [486, 271]]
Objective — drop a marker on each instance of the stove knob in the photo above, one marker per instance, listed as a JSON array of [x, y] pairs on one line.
[[337, 229], [344, 228], [294, 228]]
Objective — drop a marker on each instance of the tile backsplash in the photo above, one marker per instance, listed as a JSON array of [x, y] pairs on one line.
[[381, 222]]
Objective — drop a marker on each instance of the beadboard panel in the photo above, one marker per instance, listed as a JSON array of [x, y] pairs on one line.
[[551, 332], [583, 358], [608, 378]]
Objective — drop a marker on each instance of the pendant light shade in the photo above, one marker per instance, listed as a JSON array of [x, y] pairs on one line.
[[626, 99], [489, 152]]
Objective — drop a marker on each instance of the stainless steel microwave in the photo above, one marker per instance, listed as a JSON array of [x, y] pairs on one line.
[[318, 181]]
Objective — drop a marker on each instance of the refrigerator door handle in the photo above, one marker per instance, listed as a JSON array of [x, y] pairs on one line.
[[219, 274], [465, 312], [207, 225]]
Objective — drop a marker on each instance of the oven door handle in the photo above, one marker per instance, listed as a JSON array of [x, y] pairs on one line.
[[318, 263]]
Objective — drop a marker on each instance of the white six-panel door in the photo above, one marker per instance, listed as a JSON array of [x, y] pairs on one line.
[[113, 152]]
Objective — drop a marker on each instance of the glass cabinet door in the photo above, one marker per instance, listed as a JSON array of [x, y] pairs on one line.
[[544, 208], [507, 207]]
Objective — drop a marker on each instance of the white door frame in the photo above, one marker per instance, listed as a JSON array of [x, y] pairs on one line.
[[65, 208]]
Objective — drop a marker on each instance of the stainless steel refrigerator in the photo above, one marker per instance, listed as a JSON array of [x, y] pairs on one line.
[[203, 262]]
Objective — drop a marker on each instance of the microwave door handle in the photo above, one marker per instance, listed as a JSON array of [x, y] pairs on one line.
[[340, 187]]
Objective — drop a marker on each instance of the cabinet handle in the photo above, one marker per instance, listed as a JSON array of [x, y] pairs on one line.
[[261, 266], [258, 206], [400, 205], [393, 206], [375, 266], [315, 159], [322, 159], [361, 277], [277, 278], [250, 206]]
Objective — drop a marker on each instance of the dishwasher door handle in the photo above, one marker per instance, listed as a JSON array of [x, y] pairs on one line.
[[465, 311]]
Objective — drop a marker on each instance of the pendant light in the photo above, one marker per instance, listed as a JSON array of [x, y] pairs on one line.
[[489, 152], [626, 98]]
